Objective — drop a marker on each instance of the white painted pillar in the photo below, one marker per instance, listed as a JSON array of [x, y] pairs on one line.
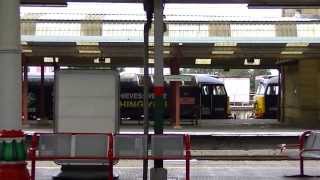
[[10, 65]]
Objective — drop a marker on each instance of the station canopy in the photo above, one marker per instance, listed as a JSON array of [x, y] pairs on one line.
[[282, 3], [114, 36]]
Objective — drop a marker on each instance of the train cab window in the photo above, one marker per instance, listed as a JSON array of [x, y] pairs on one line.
[[141, 80], [205, 90], [187, 83], [261, 89], [273, 90], [218, 90], [129, 78]]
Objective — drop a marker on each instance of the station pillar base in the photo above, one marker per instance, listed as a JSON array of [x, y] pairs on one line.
[[158, 174], [84, 172], [14, 171]]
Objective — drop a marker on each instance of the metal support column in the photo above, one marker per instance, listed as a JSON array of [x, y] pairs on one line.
[[25, 100], [56, 66], [10, 65], [281, 94], [158, 172], [12, 165], [149, 9], [158, 66], [42, 91], [147, 27]]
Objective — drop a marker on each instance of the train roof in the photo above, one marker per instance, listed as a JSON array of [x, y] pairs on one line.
[[273, 80], [207, 79], [204, 79], [196, 78], [127, 77], [267, 79]]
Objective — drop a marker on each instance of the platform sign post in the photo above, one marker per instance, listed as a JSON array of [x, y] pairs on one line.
[[86, 101], [158, 172], [175, 81], [158, 67]]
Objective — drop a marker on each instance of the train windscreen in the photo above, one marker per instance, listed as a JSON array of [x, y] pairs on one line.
[[261, 89], [219, 90], [273, 90]]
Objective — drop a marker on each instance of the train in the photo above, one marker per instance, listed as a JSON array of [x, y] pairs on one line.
[[201, 96], [266, 104]]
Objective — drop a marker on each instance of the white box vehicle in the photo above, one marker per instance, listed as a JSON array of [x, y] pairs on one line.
[[238, 89]]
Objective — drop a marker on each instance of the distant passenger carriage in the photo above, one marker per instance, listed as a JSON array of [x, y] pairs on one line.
[[201, 96], [267, 98]]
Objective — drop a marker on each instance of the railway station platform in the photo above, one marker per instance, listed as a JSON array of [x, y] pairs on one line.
[[222, 139], [221, 150], [205, 170], [205, 127]]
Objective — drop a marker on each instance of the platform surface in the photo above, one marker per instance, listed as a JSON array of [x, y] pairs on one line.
[[207, 127], [205, 170]]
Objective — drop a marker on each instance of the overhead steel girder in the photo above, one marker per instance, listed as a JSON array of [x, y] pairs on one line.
[[253, 3], [188, 62], [130, 55]]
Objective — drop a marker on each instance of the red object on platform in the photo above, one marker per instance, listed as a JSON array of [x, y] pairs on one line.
[[158, 90], [11, 134], [14, 172]]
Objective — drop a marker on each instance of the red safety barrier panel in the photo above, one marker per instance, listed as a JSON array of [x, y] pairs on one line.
[[113, 147], [186, 150], [308, 147], [34, 156]]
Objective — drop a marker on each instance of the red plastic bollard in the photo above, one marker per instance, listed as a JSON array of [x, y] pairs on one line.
[[10, 167], [14, 172]]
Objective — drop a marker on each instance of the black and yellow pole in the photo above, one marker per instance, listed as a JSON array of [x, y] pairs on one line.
[[148, 7]]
